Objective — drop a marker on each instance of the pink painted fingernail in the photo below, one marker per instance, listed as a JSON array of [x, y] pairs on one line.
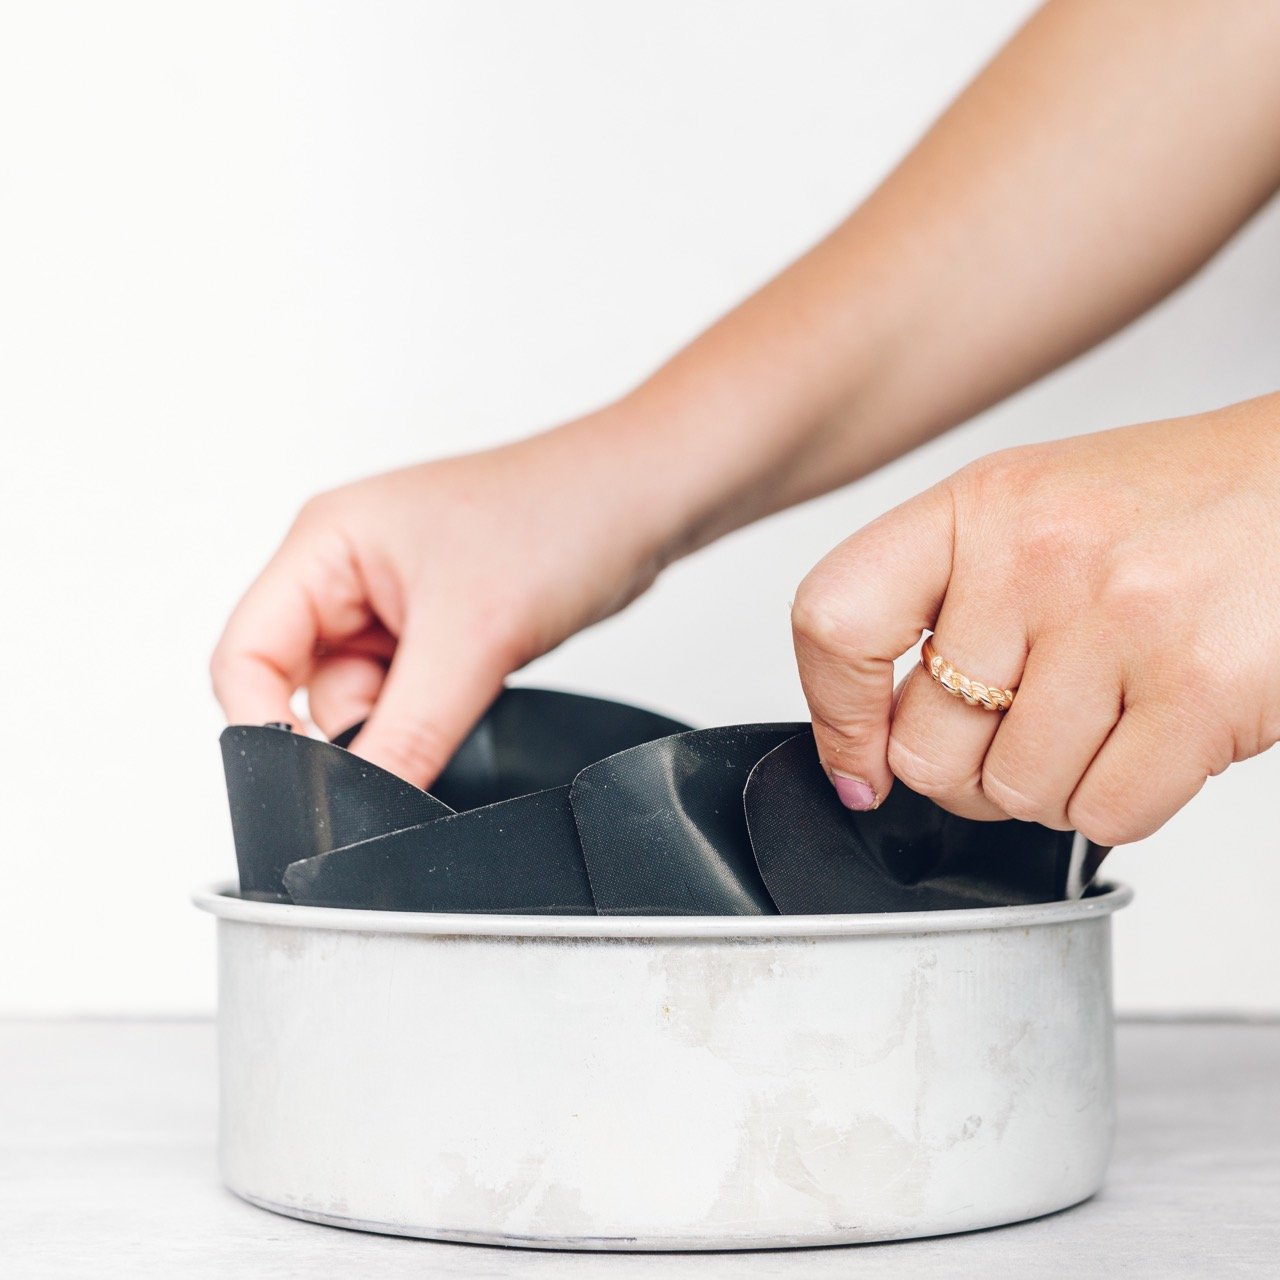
[[854, 793]]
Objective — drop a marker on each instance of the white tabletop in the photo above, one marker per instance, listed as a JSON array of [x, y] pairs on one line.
[[107, 1168]]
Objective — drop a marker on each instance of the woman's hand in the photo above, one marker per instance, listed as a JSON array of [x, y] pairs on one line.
[[1128, 583], [406, 599]]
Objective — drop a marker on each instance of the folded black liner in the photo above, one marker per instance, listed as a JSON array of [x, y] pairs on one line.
[[559, 804]]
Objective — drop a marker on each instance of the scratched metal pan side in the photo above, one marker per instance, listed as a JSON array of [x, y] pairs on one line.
[[645, 1083]]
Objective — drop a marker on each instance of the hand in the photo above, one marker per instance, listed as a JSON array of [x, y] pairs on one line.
[[1128, 583], [406, 599]]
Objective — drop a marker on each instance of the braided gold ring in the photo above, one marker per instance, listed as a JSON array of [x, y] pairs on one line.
[[958, 685]]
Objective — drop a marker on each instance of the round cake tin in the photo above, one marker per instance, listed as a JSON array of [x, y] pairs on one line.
[[635, 1082]]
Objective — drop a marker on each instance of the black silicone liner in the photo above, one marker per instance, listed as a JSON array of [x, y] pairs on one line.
[[568, 805]]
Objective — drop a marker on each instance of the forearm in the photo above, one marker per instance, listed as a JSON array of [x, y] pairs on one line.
[[1105, 154]]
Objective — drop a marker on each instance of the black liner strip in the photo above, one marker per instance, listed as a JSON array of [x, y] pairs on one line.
[[293, 798], [907, 855], [516, 857], [663, 830], [352, 835], [535, 739], [563, 804]]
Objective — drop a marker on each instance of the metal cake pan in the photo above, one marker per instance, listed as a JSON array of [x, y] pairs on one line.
[[636, 1082]]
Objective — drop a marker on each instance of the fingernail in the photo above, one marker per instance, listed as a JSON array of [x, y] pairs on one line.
[[854, 793]]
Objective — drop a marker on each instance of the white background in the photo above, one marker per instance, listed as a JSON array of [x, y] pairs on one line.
[[250, 250]]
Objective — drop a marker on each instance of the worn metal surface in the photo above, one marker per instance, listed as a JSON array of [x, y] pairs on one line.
[[665, 1083]]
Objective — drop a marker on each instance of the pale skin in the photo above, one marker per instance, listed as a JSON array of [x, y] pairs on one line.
[[1124, 581]]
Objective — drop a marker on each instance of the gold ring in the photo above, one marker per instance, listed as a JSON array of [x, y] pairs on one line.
[[958, 685]]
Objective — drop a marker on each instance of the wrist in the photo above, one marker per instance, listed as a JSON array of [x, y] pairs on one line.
[[743, 424], [787, 397]]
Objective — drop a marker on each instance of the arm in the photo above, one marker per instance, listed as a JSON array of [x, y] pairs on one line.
[[1105, 154]]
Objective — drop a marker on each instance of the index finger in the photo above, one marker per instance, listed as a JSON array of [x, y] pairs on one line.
[[861, 607], [312, 591], [266, 650]]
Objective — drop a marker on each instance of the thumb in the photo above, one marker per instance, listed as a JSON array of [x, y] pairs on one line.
[[861, 607], [442, 679]]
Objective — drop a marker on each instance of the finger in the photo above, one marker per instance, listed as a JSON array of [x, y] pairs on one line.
[[861, 607], [264, 652], [1068, 702], [342, 690], [937, 742], [1145, 771], [307, 594], [444, 675]]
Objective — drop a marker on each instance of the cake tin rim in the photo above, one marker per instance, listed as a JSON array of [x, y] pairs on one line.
[[221, 899]]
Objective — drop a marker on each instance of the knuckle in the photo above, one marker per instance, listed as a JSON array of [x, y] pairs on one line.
[[1015, 801], [992, 468], [993, 477], [1053, 538], [927, 775], [1138, 590], [219, 669], [315, 510], [331, 567], [327, 510], [1051, 535], [1106, 825], [817, 616], [840, 735], [833, 616]]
